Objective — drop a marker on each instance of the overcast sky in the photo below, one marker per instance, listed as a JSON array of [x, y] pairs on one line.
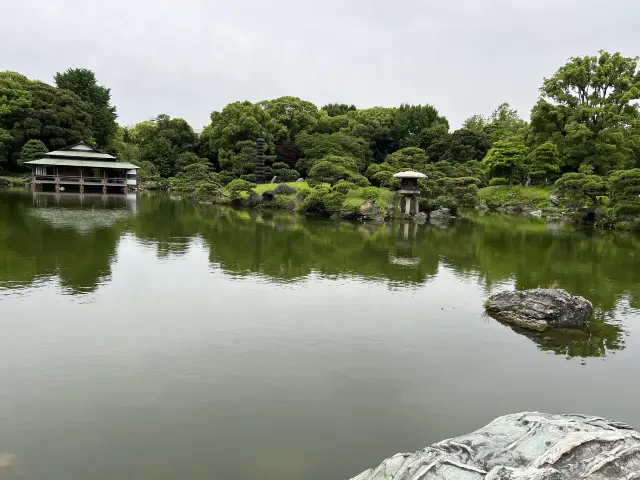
[[189, 57]]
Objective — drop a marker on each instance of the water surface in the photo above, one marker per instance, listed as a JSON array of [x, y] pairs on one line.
[[150, 338]]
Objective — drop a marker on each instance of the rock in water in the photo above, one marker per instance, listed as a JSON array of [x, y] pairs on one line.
[[525, 446], [420, 218], [540, 309]]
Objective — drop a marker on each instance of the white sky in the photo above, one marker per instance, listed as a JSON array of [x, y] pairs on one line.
[[189, 57]]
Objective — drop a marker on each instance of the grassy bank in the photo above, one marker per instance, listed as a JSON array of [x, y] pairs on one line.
[[504, 196], [14, 181]]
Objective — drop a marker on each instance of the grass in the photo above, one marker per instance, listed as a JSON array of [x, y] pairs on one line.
[[270, 186], [355, 198], [504, 196]]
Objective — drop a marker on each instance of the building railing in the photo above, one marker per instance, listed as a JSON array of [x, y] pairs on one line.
[[80, 180]]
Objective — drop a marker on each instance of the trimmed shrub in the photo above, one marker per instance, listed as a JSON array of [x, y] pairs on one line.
[[371, 193], [344, 186], [322, 201], [494, 182]]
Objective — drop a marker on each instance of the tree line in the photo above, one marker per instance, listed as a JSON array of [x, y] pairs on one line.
[[583, 132]]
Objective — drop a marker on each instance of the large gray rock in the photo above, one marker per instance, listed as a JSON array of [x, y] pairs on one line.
[[284, 189], [540, 309], [525, 446]]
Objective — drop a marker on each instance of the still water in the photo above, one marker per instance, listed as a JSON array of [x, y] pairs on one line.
[[148, 338]]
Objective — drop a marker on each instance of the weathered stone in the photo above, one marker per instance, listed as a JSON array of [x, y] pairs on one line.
[[268, 195], [519, 207], [284, 189], [369, 207], [300, 180], [536, 213], [390, 211], [525, 446], [420, 218], [441, 213], [539, 309], [253, 200]]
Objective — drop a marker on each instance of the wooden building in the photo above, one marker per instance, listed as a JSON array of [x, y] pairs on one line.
[[81, 167]]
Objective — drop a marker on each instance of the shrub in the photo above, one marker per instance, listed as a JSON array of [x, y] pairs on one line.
[[343, 186], [286, 175], [249, 177], [238, 186], [498, 181], [280, 166], [206, 191], [322, 200], [371, 193], [447, 201]]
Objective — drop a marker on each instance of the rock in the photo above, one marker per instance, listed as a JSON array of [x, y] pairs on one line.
[[525, 446], [268, 195], [390, 211], [8, 470], [519, 207], [536, 213], [253, 200], [441, 213], [539, 309], [284, 189], [300, 180], [369, 208], [420, 218]]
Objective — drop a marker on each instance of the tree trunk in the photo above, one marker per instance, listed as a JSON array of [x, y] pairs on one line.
[[511, 177]]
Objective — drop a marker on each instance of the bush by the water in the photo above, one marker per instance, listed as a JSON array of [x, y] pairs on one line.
[[321, 200], [370, 193], [504, 196], [238, 187], [344, 186]]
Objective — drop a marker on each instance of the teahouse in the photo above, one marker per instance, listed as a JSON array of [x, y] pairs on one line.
[[409, 192], [81, 166]]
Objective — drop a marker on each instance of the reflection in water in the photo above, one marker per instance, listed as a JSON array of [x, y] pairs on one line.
[[598, 338], [313, 348], [75, 237]]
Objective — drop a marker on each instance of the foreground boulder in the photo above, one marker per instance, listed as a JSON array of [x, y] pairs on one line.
[[525, 446], [540, 309]]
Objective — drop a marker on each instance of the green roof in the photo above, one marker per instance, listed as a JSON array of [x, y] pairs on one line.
[[68, 162]]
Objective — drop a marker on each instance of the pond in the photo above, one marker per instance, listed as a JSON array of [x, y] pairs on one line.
[[151, 338]]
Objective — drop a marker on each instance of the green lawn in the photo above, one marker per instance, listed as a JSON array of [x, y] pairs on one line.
[[504, 196], [355, 198], [270, 186]]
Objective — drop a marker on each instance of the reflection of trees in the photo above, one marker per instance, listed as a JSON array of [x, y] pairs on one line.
[[593, 341], [33, 248]]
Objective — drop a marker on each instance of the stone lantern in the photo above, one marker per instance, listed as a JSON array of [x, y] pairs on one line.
[[409, 192]]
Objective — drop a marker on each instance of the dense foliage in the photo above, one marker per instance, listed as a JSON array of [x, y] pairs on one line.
[[583, 134]]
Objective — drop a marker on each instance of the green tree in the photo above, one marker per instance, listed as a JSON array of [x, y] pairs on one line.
[[34, 110], [460, 146], [418, 125], [376, 126], [624, 192], [292, 116], [336, 109], [504, 159], [333, 168], [238, 187], [576, 190], [189, 158], [32, 150], [318, 145], [503, 124], [410, 158], [237, 122], [544, 162], [587, 108], [83, 83]]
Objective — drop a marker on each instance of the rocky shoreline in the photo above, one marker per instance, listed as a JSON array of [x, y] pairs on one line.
[[524, 446]]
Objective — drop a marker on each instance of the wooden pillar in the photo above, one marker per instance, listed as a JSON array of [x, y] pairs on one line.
[[104, 189], [57, 188], [81, 188], [34, 186], [126, 189]]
